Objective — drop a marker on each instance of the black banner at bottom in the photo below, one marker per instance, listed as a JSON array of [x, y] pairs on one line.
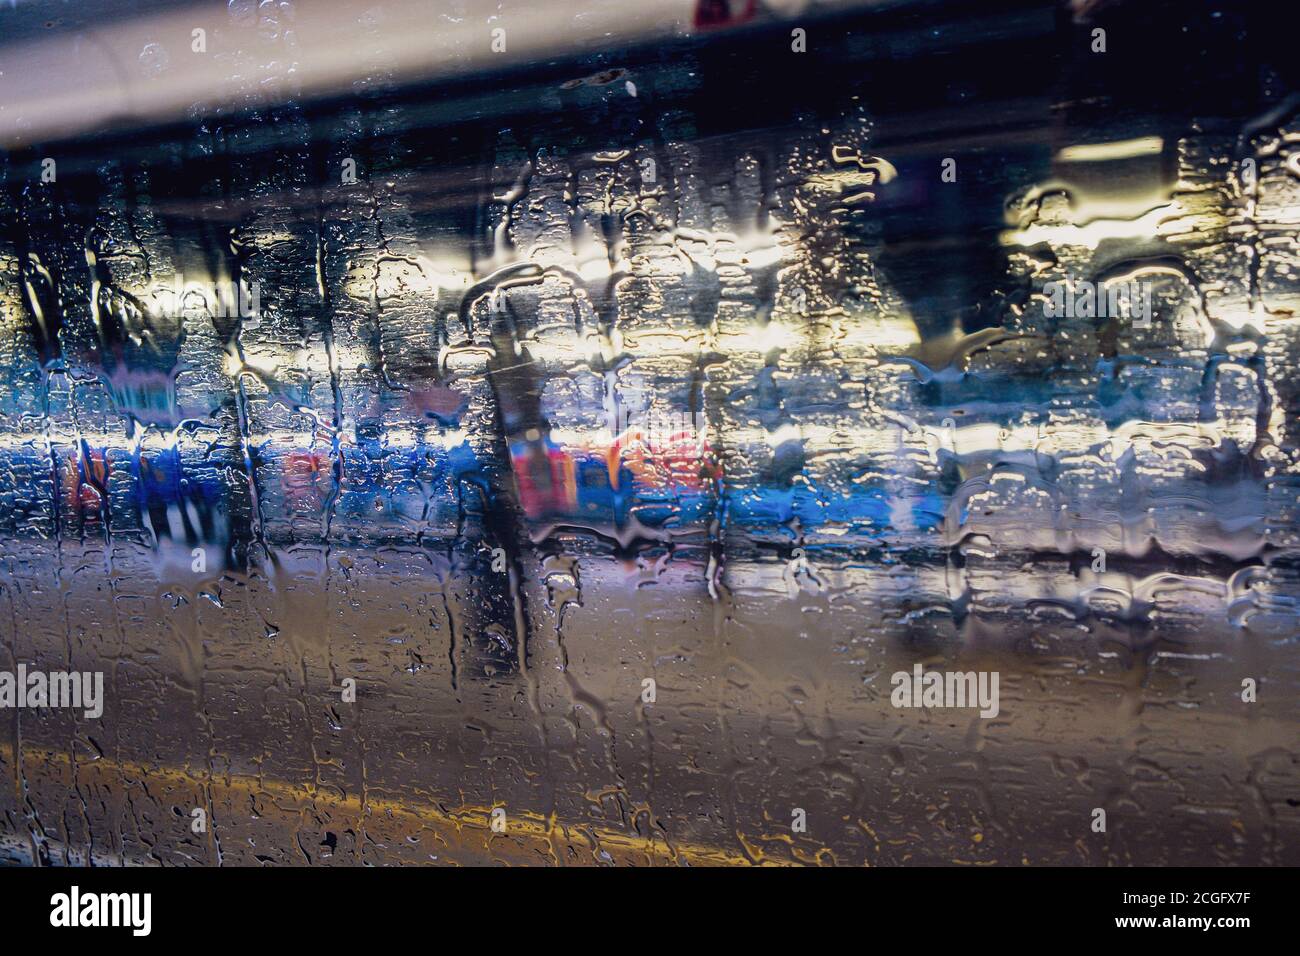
[[338, 906]]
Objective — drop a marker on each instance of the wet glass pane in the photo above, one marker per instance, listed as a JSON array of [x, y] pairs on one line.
[[687, 432]]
